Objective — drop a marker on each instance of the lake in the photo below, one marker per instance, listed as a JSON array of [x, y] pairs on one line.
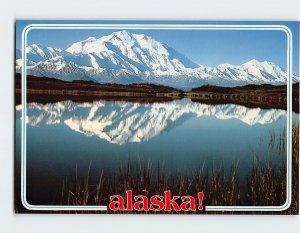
[[64, 138]]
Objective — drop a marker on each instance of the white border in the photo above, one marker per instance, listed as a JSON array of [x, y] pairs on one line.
[[283, 28]]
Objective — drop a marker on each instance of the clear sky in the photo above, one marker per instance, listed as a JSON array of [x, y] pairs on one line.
[[208, 48]]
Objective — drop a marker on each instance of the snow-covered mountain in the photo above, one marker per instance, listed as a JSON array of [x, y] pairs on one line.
[[124, 57], [122, 122]]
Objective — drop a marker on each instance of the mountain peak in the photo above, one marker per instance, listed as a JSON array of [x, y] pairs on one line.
[[265, 65], [90, 39], [38, 52], [252, 62], [225, 65], [35, 48], [123, 34], [126, 35], [38, 46]]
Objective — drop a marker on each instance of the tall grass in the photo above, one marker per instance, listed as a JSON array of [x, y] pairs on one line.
[[145, 179], [265, 186]]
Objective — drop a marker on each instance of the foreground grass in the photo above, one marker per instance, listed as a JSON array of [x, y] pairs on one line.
[[265, 186]]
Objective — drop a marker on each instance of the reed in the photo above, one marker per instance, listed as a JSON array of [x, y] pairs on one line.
[[265, 186]]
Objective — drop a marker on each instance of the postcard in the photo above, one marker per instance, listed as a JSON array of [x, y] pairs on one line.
[[157, 117]]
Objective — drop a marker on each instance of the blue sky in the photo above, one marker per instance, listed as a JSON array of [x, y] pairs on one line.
[[203, 47]]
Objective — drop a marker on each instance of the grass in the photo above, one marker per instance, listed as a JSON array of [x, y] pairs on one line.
[[265, 186]]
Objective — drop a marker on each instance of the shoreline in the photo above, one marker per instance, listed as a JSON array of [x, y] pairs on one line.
[[49, 90]]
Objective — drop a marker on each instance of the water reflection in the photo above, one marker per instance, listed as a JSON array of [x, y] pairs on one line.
[[122, 122]]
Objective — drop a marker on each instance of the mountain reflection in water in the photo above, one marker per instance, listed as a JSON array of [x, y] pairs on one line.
[[122, 122]]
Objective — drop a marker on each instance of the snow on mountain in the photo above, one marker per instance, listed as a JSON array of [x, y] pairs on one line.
[[122, 122], [37, 52], [124, 57]]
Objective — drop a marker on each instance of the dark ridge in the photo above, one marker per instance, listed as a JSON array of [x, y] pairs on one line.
[[46, 90], [44, 83], [248, 87]]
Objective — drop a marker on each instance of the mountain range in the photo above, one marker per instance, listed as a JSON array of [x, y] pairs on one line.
[[121, 122], [123, 57]]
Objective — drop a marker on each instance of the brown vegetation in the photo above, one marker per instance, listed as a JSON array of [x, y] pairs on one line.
[[266, 184], [44, 90]]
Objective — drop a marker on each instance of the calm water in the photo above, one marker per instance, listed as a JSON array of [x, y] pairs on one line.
[[181, 134]]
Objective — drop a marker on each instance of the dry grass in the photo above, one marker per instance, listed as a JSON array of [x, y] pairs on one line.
[[266, 185]]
